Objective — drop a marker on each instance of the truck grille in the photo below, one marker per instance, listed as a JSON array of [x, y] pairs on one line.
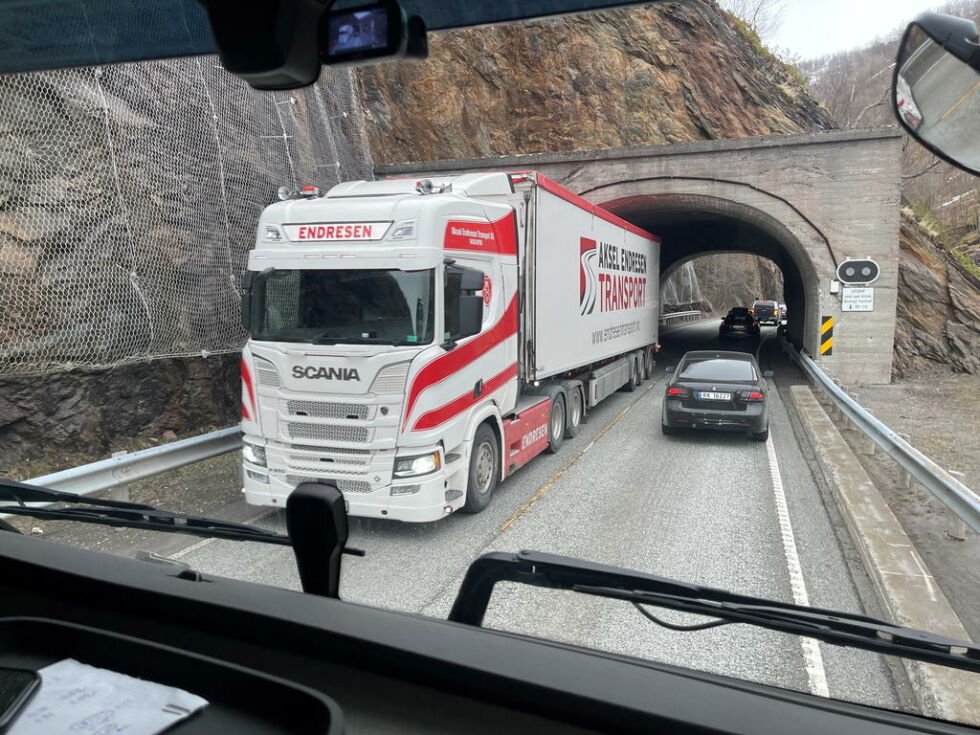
[[327, 450], [330, 457], [331, 469], [323, 410], [345, 486], [320, 432]]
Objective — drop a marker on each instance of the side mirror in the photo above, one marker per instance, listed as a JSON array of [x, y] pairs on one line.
[[936, 91], [669, 369], [767, 373], [246, 306], [470, 315]]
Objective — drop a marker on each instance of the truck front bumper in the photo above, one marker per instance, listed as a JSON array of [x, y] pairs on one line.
[[426, 504]]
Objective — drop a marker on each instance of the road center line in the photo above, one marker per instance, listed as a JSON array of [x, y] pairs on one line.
[[812, 658], [540, 492]]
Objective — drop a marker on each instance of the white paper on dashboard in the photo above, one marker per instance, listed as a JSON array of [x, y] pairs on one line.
[[80, 699]]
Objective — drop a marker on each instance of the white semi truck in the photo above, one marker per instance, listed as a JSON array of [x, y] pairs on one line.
[[417, 341]]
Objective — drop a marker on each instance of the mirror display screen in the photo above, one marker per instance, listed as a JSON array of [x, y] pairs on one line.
[[361, 30]]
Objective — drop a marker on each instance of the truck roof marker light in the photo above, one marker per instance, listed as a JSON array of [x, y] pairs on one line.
[[285, 192], [309, 192], [519, 178], [424, 186]]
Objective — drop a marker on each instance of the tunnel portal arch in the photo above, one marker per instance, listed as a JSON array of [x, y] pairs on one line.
[[692, 224]]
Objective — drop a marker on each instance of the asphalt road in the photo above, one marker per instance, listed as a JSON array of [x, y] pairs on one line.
[[707, 508]]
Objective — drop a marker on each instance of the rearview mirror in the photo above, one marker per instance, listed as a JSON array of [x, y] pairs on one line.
[[246, 304], [937, 87]]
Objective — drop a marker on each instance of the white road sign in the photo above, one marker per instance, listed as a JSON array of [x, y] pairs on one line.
[[857, 299]]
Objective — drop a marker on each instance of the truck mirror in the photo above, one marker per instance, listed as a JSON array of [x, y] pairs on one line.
[[935, 82], [471, 280], [246, 305], [470, 314]]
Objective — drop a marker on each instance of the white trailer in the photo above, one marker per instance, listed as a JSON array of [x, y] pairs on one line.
[[417, 341]]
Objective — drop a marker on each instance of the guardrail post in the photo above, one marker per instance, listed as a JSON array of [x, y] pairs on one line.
[[956, 526], [120, 491], [906, 476]]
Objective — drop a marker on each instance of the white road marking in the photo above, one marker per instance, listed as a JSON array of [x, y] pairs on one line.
[[812, 658], [205, 542]]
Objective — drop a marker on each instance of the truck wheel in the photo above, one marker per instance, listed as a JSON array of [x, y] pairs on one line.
[[556, 424], [484, 470], [574, 419]]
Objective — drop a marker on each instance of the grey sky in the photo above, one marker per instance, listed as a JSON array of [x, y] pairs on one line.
[[817, 27]]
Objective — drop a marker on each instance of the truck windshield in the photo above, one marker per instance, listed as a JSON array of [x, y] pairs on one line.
[[344, 306]]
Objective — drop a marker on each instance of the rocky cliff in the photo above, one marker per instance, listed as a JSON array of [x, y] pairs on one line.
[[644, 75], [938, 308]]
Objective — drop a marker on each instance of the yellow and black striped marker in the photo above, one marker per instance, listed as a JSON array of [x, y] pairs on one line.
[[827, 335]]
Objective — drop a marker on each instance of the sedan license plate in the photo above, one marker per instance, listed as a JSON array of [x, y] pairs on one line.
[[711, 396]]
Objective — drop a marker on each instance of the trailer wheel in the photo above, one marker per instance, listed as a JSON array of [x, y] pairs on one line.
[[556, 424], [641, 367], [484, 469], [574, 419]]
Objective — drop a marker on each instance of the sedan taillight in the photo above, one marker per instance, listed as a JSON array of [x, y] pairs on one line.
[[675, 392], [751, 396]]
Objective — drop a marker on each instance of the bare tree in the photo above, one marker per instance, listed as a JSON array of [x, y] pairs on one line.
[[764, 16]]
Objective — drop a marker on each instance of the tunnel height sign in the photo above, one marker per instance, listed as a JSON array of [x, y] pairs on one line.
[[857, 299]]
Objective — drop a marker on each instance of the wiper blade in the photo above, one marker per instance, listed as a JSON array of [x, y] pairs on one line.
[[352, 341], [839, 628], [129, 515]]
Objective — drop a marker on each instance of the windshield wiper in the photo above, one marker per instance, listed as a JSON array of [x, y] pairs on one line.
[[130, 515], [839, 628], [352, 341]]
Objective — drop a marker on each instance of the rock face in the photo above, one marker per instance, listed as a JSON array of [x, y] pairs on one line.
[[663, 73], [736, 279], [129, 197], [57, 421], [938, 308]]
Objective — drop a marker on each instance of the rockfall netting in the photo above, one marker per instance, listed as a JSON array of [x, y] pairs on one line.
[[129, 197]]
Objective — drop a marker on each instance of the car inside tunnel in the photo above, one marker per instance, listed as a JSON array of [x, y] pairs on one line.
[[693, 225]]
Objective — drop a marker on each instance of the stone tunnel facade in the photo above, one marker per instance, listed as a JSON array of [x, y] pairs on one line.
[[806, 201]]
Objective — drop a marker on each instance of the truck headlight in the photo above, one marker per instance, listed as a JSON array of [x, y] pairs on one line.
[[420, 464], [253, 454]]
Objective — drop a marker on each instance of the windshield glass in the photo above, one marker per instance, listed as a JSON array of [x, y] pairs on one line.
[[717, 370], [337, 306], [608, 192]]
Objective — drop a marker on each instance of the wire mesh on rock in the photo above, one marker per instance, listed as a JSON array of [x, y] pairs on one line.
[[129, 197]]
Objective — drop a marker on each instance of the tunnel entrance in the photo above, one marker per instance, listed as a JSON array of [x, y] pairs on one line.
[[695, 225]]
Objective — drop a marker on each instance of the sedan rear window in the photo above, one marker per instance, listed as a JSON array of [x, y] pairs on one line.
[[718, 369]]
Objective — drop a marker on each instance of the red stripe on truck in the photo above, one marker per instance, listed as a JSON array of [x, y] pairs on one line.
[[445, 365], [249, 389], [455, 407], [582, 203]]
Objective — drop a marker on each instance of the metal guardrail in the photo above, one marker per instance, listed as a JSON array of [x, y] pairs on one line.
[[131, 466], [960, 499], [680, 315]]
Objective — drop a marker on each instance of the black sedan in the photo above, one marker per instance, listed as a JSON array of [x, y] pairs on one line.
[[717, 390], [739, 322]]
